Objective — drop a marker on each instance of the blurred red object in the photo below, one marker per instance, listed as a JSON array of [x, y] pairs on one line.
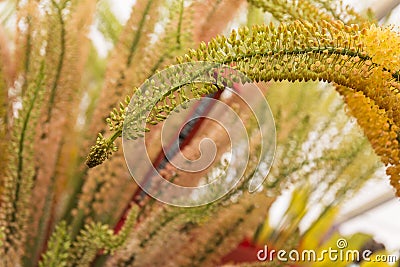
[[246, 251]]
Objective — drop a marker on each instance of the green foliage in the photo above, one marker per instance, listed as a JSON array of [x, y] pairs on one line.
[[108, 23], [95, 237], [19, 178], [58, 248]]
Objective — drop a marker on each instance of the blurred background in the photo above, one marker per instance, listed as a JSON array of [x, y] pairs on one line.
[[375, 212]]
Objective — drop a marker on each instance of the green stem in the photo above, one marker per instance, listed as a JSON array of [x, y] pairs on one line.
[[138, 33], [169, 52], [316, 50], [21, 145], [27, 55], [60, 59], [178, 37]]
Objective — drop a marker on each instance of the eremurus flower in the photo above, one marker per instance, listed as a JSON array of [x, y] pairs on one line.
[[330, 51]]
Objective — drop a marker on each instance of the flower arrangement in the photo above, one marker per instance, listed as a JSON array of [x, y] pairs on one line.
[[66, 204]]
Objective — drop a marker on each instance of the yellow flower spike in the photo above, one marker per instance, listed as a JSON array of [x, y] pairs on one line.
[[370, 67], [382, 45], [382, 136]]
